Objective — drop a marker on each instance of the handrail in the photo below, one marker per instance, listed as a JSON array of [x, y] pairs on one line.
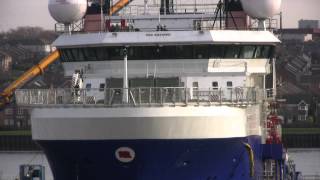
[[27, 76], [148, 96]]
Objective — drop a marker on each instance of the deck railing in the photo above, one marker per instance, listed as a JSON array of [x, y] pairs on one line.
[[160, 96]]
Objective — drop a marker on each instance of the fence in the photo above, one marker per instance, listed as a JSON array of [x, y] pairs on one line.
[[160, 96]]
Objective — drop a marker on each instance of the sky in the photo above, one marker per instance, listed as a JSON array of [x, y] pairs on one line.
[[35, 13]]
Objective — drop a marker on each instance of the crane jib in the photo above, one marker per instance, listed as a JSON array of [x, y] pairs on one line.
[[36, 70]]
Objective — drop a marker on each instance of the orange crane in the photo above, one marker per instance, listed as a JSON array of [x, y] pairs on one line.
[[118, 6], [8, 92]]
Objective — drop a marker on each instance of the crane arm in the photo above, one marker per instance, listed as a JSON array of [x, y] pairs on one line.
[[118, 6], [34, 71]]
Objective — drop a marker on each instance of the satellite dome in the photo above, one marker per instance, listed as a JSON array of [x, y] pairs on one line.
[[67, 11], [261, 9]]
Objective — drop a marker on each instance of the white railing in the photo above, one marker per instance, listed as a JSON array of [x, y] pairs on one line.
[[311, 177], [154, 9], [162, 96]]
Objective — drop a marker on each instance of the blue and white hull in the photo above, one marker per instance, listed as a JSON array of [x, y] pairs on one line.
[[184, 143], [206, 159]]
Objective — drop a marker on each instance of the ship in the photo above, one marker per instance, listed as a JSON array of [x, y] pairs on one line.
[[161, 91]]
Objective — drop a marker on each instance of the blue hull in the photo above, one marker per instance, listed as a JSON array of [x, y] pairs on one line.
[[200, 159]]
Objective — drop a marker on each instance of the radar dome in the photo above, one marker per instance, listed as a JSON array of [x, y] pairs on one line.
[[261, 9], [67, 11]]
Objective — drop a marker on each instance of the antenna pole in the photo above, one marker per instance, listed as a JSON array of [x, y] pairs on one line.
[[145, 6], [262, 25], [125, 96], [67, 28], [274, 78], [102, 18]]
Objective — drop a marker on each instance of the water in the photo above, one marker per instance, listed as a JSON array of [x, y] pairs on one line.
[[307, 161], [10, 162]]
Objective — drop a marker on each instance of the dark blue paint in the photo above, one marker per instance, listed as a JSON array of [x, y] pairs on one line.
[[201, 159]]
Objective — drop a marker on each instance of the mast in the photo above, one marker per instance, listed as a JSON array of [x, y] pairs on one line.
[[102, 16], [274, 78], [125, 96]]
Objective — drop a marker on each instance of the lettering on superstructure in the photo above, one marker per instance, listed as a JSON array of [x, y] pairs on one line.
[[158, 34]]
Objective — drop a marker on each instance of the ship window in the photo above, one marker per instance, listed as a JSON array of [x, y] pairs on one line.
[[90, 54], [201, 51], [215, 85], [147, 53], [102, 86], [184, 52], [88, 86], [64, 57], [229, 84], [69, 55], [216, 51], [232, 52], [195, 85], [167, 52], [247, 52], [135, 53], [102, 54], [265, 53]]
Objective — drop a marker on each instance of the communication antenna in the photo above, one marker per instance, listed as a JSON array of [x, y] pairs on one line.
[[102, 16], [67, 12], [145, 6], [261, 10]]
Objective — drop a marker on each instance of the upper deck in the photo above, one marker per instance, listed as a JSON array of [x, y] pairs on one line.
[[166, 38], [174, 16]]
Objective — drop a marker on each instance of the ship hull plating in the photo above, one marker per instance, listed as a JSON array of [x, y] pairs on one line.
[[207, 159]]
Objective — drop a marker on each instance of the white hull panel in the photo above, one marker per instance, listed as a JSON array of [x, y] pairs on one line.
[[140, 123]]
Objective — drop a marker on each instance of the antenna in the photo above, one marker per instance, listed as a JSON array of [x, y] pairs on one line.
[[102, 16], [145, 6], [261, 10]]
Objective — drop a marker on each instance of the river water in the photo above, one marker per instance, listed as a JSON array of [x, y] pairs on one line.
[[307, 161]]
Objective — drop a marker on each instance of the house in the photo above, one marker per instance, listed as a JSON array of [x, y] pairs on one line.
[[15, 117], [5, 62], [312, 83], [307, 24], [295, 109], [1, 119], [17, 53], [300, 35], [8, 117], [303, 109], [39, 46], [315, 63]]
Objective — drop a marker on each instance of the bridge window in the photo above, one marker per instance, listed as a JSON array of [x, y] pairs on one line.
[[247, 52], [232, 52], [167, 52], [216, 51]]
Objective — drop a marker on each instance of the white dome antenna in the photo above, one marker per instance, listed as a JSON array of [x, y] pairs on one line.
[[261, 9], [67, 11]]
